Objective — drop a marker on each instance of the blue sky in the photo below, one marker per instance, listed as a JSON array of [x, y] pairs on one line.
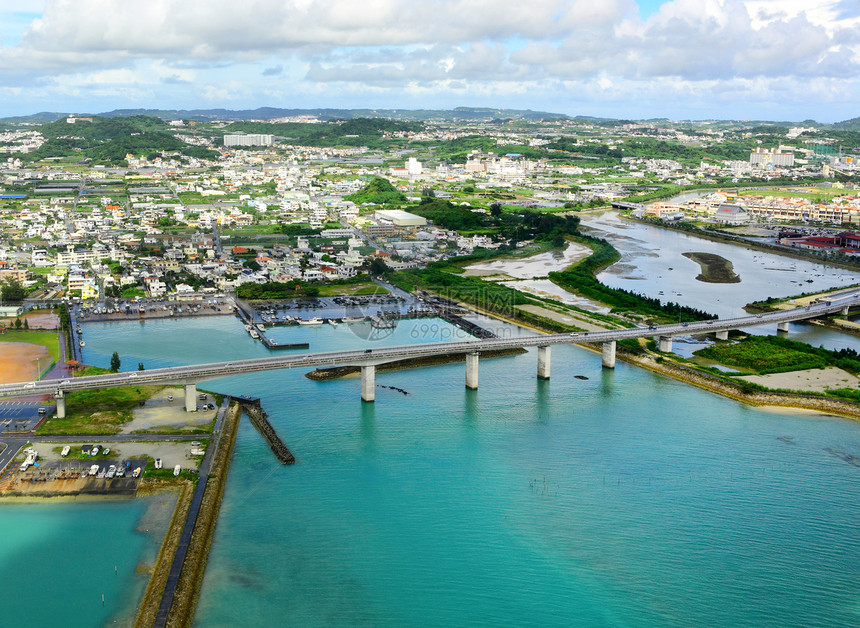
[[680, 59]]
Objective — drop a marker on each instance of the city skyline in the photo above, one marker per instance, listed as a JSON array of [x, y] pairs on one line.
[[683, 59]]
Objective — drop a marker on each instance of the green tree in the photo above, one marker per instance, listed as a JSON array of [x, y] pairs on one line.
[[12, 291], [140, 366], [114, 362], [378, 266], [26, 324], [495, 210], [17, 323]]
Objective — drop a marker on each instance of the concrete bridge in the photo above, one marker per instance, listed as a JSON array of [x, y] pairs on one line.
[[622, 205], [369, 359]]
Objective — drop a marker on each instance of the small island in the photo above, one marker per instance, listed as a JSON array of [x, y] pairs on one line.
[[715, 269]]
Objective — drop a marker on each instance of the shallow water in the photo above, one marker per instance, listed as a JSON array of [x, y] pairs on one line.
[[621, 499]]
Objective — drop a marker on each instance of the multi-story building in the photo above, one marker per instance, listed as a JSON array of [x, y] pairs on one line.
[[253, 139]]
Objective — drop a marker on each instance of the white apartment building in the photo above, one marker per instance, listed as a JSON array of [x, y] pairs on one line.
[[253, 139]]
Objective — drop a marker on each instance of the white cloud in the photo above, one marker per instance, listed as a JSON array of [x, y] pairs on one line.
[[224, 49]]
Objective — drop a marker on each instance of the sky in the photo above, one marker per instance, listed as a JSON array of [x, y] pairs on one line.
[[679, 59]]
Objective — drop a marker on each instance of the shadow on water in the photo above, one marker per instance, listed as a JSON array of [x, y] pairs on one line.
[[542, 393], [470, 406], [368, 427], [607, 381]]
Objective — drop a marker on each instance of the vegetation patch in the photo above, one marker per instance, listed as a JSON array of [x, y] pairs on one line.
[[582, 279], [378, 192], [715, 269], [276, 290], [772, 354], [99, 411], [351, 289]]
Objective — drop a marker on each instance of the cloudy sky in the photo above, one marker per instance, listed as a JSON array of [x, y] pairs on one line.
[[682, 59]]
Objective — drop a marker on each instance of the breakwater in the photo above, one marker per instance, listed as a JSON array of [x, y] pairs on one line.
[[259, 419], [183, 581]]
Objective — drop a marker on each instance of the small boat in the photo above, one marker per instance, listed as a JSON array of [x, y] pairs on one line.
[[170, 397], [111, 472], [94, 469], [332, 322], [105, 451], [65, 451], [158, 463], [316, 320], [136, 472], [176, 470], [82, 343]]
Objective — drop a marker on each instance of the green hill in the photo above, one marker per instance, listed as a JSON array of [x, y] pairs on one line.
[[379, 191], [109, 140]]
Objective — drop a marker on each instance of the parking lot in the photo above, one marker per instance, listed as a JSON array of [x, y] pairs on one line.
[[22, 415], [52, 477]]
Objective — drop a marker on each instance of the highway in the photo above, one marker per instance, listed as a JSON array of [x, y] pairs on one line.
[[202, 372]]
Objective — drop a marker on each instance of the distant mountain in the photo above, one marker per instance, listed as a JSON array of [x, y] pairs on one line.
[[39, 118], [848, 125], [476, 114]]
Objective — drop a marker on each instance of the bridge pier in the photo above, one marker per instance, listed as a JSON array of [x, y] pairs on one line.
[[543, 362], [845, 309], [191, 397], [61, 404], [723, 335], [665, 344], [472, 371], [368, 383], [782, 326], [609, 354]]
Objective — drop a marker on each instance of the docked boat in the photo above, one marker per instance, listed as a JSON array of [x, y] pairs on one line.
[[254, 334], [332, 322], [352, 319], [316, 320], [82, 343]]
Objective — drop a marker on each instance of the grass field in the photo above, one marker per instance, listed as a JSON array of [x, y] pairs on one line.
[[48, 339], [764, 354], [351, 289], [99, 411]]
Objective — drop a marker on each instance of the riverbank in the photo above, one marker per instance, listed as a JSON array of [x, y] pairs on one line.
[[722, 387], [712, 383]]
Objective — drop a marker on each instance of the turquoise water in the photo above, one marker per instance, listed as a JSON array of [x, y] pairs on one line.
[[60, 558], [625, 499]]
